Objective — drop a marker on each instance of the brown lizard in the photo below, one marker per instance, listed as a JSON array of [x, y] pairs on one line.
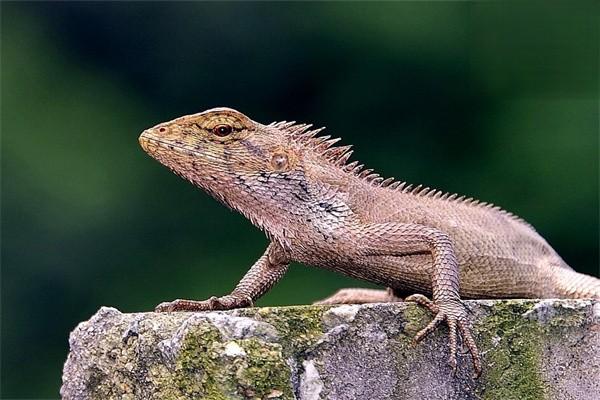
[[318, 208]]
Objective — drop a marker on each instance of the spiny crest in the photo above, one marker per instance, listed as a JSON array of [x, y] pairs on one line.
[[339, 155], [323, 145]]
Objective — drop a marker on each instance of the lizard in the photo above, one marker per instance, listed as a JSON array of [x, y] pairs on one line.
[[318, 208]]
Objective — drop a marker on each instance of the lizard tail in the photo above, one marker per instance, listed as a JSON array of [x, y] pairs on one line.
[[573, 285]]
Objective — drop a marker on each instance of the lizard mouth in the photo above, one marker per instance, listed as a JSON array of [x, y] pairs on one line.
[[151, 145], [174, 155]]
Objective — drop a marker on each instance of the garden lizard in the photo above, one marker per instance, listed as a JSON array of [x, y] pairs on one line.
[[319, 209]]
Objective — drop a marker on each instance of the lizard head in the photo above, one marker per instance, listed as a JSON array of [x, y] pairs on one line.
[[224, 152], [219, 143]]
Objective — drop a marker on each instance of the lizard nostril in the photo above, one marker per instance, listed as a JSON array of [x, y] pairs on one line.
[[162, 129]]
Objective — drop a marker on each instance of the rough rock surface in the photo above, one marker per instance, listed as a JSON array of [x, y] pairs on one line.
[[548, 349]]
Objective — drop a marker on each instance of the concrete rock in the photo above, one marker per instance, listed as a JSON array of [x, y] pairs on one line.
[[546, 349]]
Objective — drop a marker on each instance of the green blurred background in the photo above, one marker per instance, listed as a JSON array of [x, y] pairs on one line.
[[493, 100]]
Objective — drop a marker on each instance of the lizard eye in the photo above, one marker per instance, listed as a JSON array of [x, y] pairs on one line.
[[222, 130]]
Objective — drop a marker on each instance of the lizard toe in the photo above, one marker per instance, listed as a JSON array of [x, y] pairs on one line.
[[166, 306], [423, 301], [432, 326], [469, 341], [452, 332]]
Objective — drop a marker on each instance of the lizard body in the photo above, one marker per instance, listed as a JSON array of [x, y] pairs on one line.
[[319, 209]]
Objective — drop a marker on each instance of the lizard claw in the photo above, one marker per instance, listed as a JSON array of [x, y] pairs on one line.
[[455, 315]]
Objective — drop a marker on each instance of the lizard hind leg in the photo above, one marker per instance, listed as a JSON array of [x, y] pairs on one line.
[[360, 296]]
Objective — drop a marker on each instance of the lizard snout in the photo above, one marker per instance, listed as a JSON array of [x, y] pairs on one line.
[[145, 138]]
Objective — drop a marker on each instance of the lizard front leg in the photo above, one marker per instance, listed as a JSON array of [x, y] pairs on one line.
[[265, 272], [398, 240]]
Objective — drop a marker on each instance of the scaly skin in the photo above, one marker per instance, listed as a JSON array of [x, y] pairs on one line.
[[318, 209]]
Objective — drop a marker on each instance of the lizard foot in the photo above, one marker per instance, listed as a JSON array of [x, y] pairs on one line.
[[455, 315], [213, 303], [359, 296]]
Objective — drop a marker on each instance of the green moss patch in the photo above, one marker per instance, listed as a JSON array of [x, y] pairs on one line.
[[204, 370], [512, 363], [299, 327], [265, 375]]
